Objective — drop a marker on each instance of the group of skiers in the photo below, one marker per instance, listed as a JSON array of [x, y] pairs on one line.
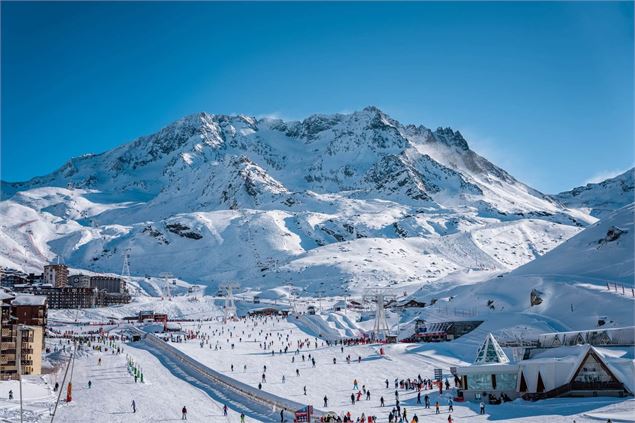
[[279, 341]]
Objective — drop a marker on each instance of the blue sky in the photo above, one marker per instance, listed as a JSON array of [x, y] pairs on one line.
[[544, 90]]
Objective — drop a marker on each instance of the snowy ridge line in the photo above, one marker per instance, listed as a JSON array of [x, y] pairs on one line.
[[249, 393]]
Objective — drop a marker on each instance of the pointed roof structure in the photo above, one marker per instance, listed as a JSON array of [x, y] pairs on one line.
[[490, 352]]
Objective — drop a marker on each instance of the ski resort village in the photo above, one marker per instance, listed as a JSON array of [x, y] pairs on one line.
[[339, 268]]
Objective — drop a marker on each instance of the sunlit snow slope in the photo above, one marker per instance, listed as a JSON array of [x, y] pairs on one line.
[[586, 279]]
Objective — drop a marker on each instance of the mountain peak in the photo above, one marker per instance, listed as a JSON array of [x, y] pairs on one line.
[[373, 109], [601, 198], [451, 138]]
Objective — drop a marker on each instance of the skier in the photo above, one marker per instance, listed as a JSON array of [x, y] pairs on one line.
[[353, 399], [224, 409], [436, 408], [368, 395], [283, 379], [10, 394], [99, 361], [386, 383], [57, 385], [418, 397], [482, 407], [450, 405], [242, 418], [326, 401], [426, 400], [355, 387], [304, 389], [184, 413], [134, 407], [90, 384], [450, 418], [281, 415], [381, 401]]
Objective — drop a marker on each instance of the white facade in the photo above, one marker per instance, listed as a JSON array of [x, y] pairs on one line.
[[574, 371]]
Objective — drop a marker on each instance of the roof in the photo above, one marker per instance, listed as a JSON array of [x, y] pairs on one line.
[[599, 336], [555, 366], [412, 301], [31, 300], [490, 352], [5, 295], [269, 308]]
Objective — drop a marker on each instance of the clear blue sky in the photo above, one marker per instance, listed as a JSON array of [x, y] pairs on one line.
[[544, 90]]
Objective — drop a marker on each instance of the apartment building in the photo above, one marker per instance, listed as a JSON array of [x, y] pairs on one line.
[[69, 297], [56, 275], [31, 310], [18, 340], [110, 284], [79, 281]]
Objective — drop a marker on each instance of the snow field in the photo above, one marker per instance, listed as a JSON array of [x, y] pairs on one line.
[[336, 380]]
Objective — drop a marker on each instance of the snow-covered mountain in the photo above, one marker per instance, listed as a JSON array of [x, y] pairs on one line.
[[212, 162], [588, 278], [602, 198], [333, 202]]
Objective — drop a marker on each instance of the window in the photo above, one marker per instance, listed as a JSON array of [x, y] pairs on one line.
[[480, 382], [506, 381], [541, 385], [592, 371], [523, 383]]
